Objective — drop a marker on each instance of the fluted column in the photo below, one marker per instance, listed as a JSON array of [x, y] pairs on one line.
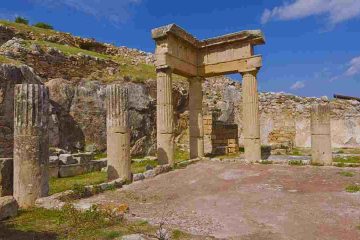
[[251, 122], [196, 118], [165, 117], [31, 143], [320, 134], [118, 133]]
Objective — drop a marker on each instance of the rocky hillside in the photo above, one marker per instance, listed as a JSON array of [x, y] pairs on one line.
[[77, 70]]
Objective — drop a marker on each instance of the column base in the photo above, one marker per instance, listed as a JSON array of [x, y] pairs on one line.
[[252, 149], [321, 152], [118, 156], [196, 147], [165, 148]]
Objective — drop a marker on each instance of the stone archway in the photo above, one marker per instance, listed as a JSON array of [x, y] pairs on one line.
[[180, 53]]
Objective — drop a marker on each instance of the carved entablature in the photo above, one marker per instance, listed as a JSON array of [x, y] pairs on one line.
[[188, 56]]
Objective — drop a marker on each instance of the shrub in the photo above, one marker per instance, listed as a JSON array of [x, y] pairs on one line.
[[353, 188], [43, 25], [21, 20]]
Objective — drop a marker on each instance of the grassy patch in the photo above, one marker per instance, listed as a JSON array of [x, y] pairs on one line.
[[26, 28], [140, 167], [4, 59], [181, 155], [70, 223], [350, 159], [296, 163], [99, 156], [63, 184], [353, 188], [68, 50], [346, 174]]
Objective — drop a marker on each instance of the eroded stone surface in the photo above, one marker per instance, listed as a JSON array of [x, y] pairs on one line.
[[8, 207]]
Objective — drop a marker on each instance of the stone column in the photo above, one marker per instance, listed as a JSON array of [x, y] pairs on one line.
[[165, 117], [196, 118], [31, 143], [320, 134], [251, 122], [118, 133]]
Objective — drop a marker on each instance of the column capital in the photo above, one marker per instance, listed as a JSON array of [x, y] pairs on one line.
[[253, 71], [164, 68]]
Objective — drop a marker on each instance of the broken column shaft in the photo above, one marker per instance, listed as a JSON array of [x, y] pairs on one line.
[[31, 143], [320, 134], [196, 118], [251, 122], [165, 117], [118, 133]]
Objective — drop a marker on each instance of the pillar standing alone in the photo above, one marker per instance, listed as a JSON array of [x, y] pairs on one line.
[[321, 152], [251, 122], [118, 133], [31, 143]]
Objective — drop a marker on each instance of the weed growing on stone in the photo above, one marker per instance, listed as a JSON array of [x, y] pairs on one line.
[[317, 164], [353, 188], [266, 162], [349, 159], [296, 163], [346, 174]]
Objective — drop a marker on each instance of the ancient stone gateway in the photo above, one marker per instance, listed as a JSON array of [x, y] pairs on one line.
[[180, 53]]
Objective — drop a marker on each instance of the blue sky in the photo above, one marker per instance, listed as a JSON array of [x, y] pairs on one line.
[[312, 46]]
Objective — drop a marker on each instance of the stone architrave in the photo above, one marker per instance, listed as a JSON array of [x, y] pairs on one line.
[[31, 143], [165, 117], [118, 133], [251, 119], [196, 118], [321, 152]]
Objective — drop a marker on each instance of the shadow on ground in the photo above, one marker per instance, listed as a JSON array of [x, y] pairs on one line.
[[8, 233]]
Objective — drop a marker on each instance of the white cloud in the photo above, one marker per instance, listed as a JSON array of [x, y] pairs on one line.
[[336, 11], [297, 85], [116, 11], [354, 67]]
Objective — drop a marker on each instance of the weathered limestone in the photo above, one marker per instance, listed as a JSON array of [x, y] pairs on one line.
[[165, 117], [320, 134], [118, 133], [31, 143], [251, 120], [196, 118]]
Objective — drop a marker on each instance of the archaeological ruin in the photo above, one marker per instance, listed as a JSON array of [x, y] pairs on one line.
[[180, 53]]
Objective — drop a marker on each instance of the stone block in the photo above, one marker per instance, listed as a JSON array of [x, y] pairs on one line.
[[83, 157], [54, 171], [8, 207], [54, 161], [6, 176], [73, 170], [67, 159]]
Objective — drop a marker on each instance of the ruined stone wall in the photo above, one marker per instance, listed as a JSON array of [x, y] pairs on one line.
[[285, 118]]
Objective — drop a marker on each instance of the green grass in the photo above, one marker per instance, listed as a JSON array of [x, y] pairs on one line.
[[347, 174], [353, 188], [350, 159], [26, 28], [67, 50], [181, 155], [139, 167], [63, 184], [296, 163], [4, 59], [70, 223], [99, 156]]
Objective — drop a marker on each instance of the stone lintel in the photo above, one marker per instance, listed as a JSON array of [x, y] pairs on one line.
[[255, 37]]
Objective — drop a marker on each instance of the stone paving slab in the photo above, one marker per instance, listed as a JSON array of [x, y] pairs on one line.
[[247, 201]]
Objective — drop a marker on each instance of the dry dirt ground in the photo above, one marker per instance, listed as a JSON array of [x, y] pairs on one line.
[[239, 201]]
